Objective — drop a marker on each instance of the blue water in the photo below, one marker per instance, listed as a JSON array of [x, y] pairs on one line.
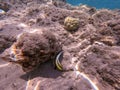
[[109, 4]]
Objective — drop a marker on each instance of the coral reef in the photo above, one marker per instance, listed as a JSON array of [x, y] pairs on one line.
[[4, 6], [35, 31], [106, 61], [32, 49], [71, 24], [103, 15], [5, 42]]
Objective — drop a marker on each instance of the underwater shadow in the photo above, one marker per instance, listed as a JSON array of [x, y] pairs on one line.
[[45, 70]]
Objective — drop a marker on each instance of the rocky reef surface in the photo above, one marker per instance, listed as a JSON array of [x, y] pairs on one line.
[[37, 31]]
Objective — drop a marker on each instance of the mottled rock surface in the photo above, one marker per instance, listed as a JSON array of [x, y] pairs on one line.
[[91, 54], [33, 48]]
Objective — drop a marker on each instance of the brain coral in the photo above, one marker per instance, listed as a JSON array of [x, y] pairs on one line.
[[71, 23]]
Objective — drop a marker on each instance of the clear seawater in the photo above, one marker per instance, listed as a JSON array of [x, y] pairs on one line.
[[109, 4]]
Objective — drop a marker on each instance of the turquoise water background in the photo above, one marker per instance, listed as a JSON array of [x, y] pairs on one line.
[[109, 4]]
